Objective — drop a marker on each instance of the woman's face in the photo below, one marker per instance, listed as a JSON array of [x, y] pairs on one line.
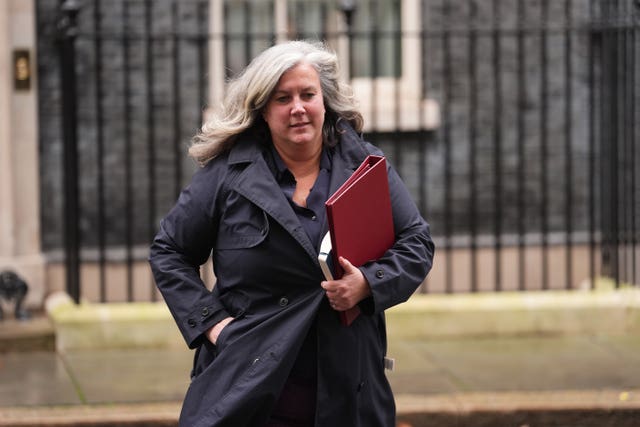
[[295, 111]]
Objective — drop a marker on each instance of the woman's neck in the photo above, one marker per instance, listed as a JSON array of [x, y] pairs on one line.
[[305, 167], [302, 163]]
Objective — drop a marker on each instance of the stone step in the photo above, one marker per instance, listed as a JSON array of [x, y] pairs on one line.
[[166, 415], [35, 334]]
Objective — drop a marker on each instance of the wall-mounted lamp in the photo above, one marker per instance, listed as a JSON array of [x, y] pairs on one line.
[[21, 69]]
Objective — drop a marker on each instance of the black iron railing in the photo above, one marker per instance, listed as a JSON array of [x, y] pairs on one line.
[[525, 167]]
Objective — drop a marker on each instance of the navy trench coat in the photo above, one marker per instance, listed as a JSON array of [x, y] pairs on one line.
[[268, 279]]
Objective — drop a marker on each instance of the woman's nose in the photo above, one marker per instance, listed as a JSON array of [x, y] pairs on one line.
[[297, 107]]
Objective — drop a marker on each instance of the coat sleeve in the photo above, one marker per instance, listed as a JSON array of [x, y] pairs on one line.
[[182, 244], [395, 277]]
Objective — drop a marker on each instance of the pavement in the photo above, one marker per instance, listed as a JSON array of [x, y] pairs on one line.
[[521, 381]]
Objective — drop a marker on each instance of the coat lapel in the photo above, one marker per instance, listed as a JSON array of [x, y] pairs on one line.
[[341, 170], [350, 153], [257, 184]]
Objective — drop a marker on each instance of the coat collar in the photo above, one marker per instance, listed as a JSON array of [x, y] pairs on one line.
[[349, 154], [256, 182]]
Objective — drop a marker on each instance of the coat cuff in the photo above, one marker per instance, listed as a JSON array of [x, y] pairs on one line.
[[199, 321], [375, 275]]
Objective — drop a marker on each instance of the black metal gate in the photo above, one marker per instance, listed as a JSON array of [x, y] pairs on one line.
[[522, 157]]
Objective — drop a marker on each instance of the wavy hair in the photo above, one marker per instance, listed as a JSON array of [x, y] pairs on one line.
[[248, 93]]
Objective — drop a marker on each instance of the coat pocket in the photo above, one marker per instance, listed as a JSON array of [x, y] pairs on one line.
[[243, 226], [246, 390], [204, 356], [235, 302]]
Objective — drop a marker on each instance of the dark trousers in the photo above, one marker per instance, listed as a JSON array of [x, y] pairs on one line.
[[296, 406]]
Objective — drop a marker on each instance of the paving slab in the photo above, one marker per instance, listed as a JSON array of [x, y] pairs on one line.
[[35, 378], [130, 375], [523, 364], [504, 408], [586, 380], [415, 372], [138, 415], [35, 334]]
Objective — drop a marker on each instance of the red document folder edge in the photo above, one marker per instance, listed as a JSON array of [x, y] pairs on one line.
[[360, 219]]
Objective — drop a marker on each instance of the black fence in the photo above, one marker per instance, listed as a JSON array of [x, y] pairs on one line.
[[514, 124]]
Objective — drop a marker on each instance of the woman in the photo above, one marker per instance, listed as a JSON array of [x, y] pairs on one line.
[[270, 348]]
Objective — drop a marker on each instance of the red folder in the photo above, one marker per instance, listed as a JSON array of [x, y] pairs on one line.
[[360, 220]]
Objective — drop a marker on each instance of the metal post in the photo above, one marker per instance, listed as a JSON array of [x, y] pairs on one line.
[[68, 31], [348, 7]]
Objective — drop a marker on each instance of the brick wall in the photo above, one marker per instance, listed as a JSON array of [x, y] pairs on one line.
[[500, 117]]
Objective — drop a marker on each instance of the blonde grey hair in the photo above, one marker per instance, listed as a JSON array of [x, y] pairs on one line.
[[248, 93]]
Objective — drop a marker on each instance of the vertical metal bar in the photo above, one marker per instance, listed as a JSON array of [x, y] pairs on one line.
[[398, 147], [151, 127], [633, 123], [425, 135], [614, 142], [373, 38], [622, 139], [591, 167], [544, 100], [618, 122], [225, 36], [299, 17], [128, 193], [177, 122], [568, 148], [625, 159], [201, 57], [68, 26], [446, 137], [99, 89], [422, 182], [247, 31], [324, 20], [347, 19], [446, 140], [627, 126], [609, 144], [350, 42], [273, 36], [396, 41], [521, 143], [497, 152], [630, 129], [473, 136], [604, 146]]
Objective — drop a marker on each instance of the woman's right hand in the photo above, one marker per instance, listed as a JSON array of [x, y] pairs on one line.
[[214, 331]]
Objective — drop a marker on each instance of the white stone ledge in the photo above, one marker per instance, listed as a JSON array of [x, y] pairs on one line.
[[517, 313], [424, 316]]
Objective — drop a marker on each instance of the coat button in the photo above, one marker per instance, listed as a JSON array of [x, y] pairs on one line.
[[283, 301], [379, 274], [361, 386], [191, 323], [205, 312]]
